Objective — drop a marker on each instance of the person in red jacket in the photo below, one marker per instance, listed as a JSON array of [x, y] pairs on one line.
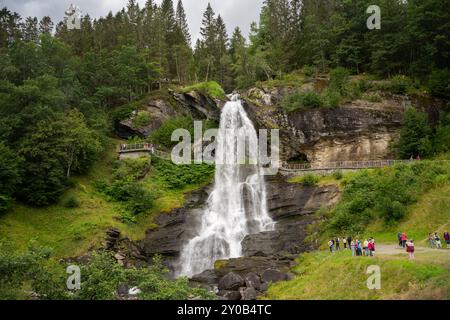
[[371, 247], [410, 249], [404, 239]]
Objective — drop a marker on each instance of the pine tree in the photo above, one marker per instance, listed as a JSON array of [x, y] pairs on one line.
[[181, 22], [30, 30], [46, 25]]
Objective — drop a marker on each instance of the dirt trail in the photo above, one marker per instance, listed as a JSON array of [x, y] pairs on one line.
[[392, 249]]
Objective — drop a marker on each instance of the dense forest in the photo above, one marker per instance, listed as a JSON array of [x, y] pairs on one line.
[[59, 86]]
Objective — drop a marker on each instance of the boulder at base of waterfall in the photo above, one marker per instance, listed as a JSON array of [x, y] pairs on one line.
[[273, 275], [248, 293], [252, 280], [230, 295], [231, 281]]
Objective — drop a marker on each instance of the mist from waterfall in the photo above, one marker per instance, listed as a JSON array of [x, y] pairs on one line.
[[237, 204]]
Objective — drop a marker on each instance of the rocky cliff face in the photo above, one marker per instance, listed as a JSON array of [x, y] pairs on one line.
[[359, 130], [292, 206], [194, 104]]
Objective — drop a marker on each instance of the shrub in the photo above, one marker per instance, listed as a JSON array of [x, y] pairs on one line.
[[179, 176], [352, 90], [439, 83], [400, 84], [72, 202], [331, 98], [339, 79], [372, 97], [141, 119], [308, 71], [211, 88], [384, 194], [338, 175], [415, 135], [302, 100], [309, 179], [163, 135]]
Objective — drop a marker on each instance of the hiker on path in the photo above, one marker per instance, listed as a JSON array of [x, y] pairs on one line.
[[344, 241], [437, 241], [410, 249], [447, 238], [371, 247], [404, 239], [353, 248], [366, 248], [330, 245], [358, 248], [399, 237], [338, 244], [431, 241], [349, 240]]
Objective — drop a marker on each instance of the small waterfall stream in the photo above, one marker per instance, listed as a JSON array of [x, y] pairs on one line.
[[237, 204]]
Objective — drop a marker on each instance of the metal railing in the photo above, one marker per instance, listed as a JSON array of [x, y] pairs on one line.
[[364, 164], [143, 147]]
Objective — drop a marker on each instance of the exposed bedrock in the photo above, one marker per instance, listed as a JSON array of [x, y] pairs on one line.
[[357, 130]]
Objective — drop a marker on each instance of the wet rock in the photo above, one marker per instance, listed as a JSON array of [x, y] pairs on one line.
[[264, 287], [231, 281], [252, 280], [230, 295], [248, 293], [112, 238], [245, 265], [273, 275]]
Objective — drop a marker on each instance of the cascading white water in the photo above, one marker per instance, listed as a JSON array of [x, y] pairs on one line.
[[237, 205]]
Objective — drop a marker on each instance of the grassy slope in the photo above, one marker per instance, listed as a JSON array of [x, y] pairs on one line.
[[321, 275], [71, 232], [431, 213], [340, 276]]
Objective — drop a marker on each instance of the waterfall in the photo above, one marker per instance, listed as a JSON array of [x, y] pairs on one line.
[[237, 205]]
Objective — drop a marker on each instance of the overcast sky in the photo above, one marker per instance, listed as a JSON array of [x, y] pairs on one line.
[[235, 12]]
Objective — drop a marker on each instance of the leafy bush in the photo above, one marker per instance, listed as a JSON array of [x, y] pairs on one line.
[[415, 135], [211, 88], [439, 83], [179, 176], [372, 97], [141, 119], [338, 175], [400, 84], [302, 100], [384, 194], [163, 135], [126, 188], [72, 202], [331, 98], [352, 90], [309, 179], [338, 79]]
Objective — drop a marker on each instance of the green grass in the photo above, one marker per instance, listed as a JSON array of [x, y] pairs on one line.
[[430, 214], [212, 88], [321, 275], [73, 231]]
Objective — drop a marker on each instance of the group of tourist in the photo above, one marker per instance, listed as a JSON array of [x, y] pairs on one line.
[[434, 240], [357, 247]]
